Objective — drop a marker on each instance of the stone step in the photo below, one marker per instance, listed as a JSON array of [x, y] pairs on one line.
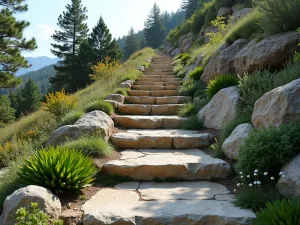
[[148, 164], [158, 79], [154, 93], [159, 76], [159, 83], [149, 122], [171, 204], [161, 139], [158, 100], [138, 109], [154, 87]]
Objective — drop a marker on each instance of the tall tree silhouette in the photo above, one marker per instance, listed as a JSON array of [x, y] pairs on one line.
[[73, 32], [12, 42], [131, 43], [154, 28]]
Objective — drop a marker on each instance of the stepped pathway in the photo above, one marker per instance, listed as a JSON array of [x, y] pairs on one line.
[[156, 148]]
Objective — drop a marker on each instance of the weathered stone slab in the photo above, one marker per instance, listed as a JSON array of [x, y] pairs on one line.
[[135, 109]]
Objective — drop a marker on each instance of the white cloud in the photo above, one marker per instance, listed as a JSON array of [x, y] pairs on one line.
[[45, 31]]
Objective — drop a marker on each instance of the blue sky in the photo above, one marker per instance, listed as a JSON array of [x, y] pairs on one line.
[[119, 16]]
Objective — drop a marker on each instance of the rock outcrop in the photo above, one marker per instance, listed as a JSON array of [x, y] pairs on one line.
[[232, 144], [23, 197], [116, 97], [221, 109], [281, 105], [289, 185], [93, 123], [272, 52], [224, 11], [222, 62]]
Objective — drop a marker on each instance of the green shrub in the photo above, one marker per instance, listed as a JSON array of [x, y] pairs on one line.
[[268, 149], [190, 87], [198, 20], [283, 212], [279, 16], [217, 148], [71, 118], [210, 12], [191, 109], [35, 216], [183, 58], [58, 169], [9, 182], [219, 83], [247, 27], [196, 73], [255, 198], [181, 73], [192, 123], [223, 3], [100, 105], [253, 86], [228, 128], [121, 91], [91, 145], [178, 68]]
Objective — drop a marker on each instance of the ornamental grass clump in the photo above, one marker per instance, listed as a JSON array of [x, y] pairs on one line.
[[58, 169], [220, 83], [256, 189], [283, 212], [100, 105]]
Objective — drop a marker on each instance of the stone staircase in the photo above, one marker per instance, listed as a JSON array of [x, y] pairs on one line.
[[155, 148]]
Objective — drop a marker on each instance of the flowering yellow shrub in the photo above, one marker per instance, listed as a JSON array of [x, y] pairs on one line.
[[104, 70], [59, 103]]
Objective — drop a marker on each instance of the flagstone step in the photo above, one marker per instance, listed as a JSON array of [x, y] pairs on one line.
[[149, 122], [159, 83], [154, 87], [158, 100], [154, 93], [138, 109], [127, 207], [159, 79], [161, 139], [148, 164], [159, 76]]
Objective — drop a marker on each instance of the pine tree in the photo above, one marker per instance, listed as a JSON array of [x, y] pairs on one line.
[[190, 6], [131, 43], [26, 100], [154, 28], [12, 42], [7, 113], [74, 32]]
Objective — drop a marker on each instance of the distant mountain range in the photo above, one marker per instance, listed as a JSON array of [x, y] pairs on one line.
[[36, 64]]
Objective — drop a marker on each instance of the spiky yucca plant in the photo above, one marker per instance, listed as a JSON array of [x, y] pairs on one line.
[[58, 169]]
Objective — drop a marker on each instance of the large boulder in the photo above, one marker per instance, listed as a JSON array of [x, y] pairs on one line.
[[272, 52], [175, 52], [93, 123], [239, 14], [222, 62], [199, 59], [221, 109], [224, 12], [186, 42], [237, 138], [23, 197], [289, 184], [281, 105]]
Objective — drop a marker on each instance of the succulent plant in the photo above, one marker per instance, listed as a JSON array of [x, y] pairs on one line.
[[58, 169]]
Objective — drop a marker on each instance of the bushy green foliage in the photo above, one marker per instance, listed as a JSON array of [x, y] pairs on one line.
[[71, 118], [100, 105], [181, 73], [58, 169], [228, 128], [35, 216], [253, 86], [223, 3], [254, 199], [121, 91], [183, 58], [178, 68], [94, 146], [191, 109], [196, 73], [189, 87], [268, 149], [279, 16], [192, 123], [217, 147], [247, 27], [283, 212], [219, 83]]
